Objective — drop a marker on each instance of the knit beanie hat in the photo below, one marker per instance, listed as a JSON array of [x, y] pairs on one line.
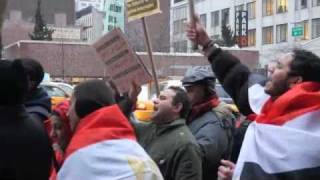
[[14, 82], [91, 96]]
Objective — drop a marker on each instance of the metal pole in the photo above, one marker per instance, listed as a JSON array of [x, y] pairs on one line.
[[149, 49], [192, 21]]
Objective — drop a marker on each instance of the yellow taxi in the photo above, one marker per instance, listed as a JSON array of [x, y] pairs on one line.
[[144, 110], [56, 92]]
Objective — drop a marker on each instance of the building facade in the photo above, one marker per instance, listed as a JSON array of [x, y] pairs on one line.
[[274, 26], [49, 9], [82, 4], [114, 10], [91, 21]]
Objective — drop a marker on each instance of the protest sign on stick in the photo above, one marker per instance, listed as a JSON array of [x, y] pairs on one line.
[[122, 63], [192, 20], [140, 9]]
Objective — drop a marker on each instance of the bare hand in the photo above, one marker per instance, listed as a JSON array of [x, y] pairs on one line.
[[226, 170], [196, 33], [134, 92]]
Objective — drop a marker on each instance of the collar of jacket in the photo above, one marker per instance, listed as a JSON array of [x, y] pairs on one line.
[[203, 107], [163, 128]]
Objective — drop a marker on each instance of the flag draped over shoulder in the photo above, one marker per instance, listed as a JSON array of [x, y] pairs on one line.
[[104, 147], [284, 141]]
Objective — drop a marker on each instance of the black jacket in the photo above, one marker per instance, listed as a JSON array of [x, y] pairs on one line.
[[234, 77], [25, 151], [38, 104]]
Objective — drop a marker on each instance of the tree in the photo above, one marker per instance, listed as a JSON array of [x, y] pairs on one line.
[[227, 35], [40, 31], [228, 38]]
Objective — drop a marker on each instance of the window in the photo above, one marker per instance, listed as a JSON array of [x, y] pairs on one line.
[[239, 8], [110, 27], [215, 37], [282, 6], [178, 26], [225, 16], [203, 20], [267, 7], [251, 8], [305, 25], [267, 35], [180, 46], [251, 37], [215, 19], [315, 28], [304, 4], [282, 33], [115, 8], [111, 19], [176, 1], [315, 2]]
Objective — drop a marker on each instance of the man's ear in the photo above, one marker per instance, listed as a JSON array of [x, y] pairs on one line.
[[294, 80], [177, 108]]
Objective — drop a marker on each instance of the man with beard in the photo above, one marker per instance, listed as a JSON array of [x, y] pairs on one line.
[[167, 138], [280, 143], [213, 131]]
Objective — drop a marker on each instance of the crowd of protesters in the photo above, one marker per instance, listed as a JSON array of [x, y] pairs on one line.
[[192, 135]]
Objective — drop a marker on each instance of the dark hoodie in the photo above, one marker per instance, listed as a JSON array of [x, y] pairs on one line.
[[25, 151], [38, 104]]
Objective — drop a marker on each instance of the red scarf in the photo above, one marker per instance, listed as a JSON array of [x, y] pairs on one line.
[[107, 123], [201, 108], [303, 98]]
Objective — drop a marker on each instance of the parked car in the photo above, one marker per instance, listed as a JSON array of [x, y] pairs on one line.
[[57, 92]]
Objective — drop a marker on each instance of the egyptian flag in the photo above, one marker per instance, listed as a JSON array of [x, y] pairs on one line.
[[104, 147], [284, 141]]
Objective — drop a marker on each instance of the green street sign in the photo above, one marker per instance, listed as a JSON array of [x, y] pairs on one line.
[[297, 31]]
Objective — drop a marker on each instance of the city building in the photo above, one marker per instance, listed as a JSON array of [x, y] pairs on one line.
[[20, 17], [82, 4], [114, 10], [49, 9], [91, 22], [274, 26]]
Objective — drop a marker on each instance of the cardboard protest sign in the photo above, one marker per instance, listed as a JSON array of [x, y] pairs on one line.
[[141, 8], [122, 64]]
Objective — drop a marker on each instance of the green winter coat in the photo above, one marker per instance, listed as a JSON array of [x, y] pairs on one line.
[[173, 148]]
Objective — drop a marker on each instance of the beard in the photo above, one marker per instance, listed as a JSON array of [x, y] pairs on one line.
[[276, 89]]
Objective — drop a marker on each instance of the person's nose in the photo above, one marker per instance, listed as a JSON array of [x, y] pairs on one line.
[[53, 134]]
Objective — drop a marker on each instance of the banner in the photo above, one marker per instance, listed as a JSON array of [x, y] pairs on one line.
[[142, 8], [122, 64]]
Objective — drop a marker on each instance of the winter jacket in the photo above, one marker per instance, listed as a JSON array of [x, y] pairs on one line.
[[25, 151], [173, 148], [38, 104], [214, 137]]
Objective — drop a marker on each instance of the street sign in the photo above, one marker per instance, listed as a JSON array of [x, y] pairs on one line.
[[138, 9], [297, 31]]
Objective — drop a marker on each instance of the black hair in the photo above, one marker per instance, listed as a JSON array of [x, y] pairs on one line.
[[305, 64], [92, 95], [181, 97], [34, 70], [13, 79]]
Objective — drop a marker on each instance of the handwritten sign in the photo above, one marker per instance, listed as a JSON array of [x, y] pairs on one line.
[[142, 8], [122, 64]]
